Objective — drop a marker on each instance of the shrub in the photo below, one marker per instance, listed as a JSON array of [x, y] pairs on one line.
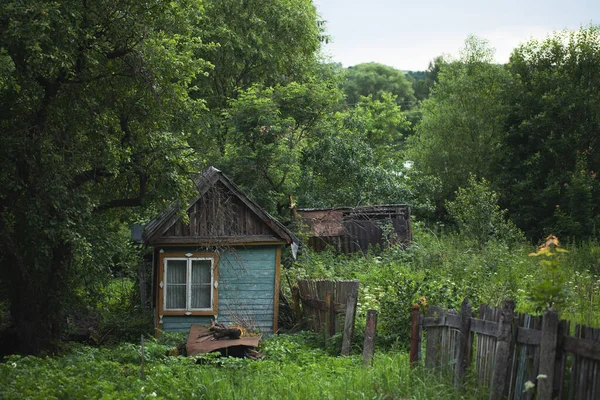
[[477, 215]]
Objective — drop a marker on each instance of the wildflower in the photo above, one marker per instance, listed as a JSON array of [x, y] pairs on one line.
[[542, 376], [528, 386]]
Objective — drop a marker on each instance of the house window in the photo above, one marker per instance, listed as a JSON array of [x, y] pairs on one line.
[[189, 283]]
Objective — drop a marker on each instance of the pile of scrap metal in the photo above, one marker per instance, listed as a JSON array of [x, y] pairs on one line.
[[229, 341]]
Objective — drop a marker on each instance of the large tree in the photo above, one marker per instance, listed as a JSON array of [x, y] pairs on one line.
[[270, 127], [95, 113], [463, 120], [550, 153], [254, 42], [376, 79]]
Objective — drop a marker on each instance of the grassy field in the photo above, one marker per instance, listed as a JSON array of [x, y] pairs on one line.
[[295, 367], [438, 269]]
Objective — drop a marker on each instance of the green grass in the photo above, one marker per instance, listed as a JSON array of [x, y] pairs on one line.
[[294, 368], [440, 266]]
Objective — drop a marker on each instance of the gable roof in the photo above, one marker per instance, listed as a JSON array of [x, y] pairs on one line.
[[209, 179]]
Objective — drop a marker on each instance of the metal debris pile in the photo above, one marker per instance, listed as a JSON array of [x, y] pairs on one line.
[[229, 341]]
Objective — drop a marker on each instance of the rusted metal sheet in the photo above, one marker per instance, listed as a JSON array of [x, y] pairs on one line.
[[201, 341], [350, 230], [324, 222]]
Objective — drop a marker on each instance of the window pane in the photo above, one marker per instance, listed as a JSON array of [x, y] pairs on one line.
[[201, 296], [176, 271], [201, 271], [175, 296]]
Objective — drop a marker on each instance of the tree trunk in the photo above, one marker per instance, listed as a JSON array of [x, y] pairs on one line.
[[37, 290]]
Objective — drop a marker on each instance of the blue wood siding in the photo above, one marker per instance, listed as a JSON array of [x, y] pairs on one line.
[[246, 289], [172, 323]]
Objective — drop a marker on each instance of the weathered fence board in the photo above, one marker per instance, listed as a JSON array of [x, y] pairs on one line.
[[324, 303], [501, 372], [511, 349], [585, 380]]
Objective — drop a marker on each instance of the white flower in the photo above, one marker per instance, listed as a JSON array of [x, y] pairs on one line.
[[528, 386], [153, 394], [14, 365], [542, 376]]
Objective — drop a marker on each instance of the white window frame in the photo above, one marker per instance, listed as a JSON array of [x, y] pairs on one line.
[[188, 283]]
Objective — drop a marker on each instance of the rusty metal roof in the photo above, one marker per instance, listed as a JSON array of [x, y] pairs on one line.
[[201, 341]]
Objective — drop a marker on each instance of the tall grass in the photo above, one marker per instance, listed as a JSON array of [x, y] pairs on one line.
[[294, 368], [443, 267]]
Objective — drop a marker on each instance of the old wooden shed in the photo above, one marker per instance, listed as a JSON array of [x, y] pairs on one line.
[[222, 262], [354, 229]]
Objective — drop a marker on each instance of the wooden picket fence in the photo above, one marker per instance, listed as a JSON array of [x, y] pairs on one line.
[[505, 350], [324, 303]]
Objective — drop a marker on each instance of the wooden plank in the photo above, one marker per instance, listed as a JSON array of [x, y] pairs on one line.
[[432, 358], [330, 319], [437, 321], [463, 351], [582, 347], [504, 349], [596, 372], [349, 324], [453, 321], [528, 336], [219, 240], [351, 302], [520, 359], [575, 369], [251, 286], [369, 344], [276, 290], [548, 354], [561, 364], [483, 327]]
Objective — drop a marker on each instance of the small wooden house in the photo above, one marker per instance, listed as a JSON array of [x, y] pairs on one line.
[[221, 262]]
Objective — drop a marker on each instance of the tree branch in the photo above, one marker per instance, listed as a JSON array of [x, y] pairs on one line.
[[128, 202], [91, 175]]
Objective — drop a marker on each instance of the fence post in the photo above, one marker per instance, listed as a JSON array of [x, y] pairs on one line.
[[296, 304], [369, 344], [349, 324], [330, 323], [415, 337], [504, 349], [464, 351], [547, 354]]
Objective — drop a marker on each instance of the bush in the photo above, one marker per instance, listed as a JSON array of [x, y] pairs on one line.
[[477, 215]]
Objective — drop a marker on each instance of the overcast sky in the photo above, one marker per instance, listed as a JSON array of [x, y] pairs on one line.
[[409, 34]]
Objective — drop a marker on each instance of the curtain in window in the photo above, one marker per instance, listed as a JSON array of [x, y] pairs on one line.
[[176, 284], [201, 284]]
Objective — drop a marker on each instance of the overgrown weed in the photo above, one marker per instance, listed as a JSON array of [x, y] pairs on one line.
[[295, 367]]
